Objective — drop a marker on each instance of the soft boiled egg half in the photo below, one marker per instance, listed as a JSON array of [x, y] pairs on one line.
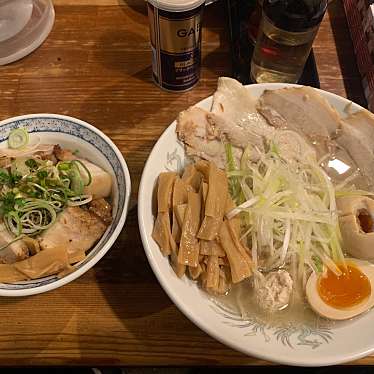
[[344, 296]]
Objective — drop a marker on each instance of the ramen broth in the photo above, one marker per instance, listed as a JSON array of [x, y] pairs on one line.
[[241, 301], [340, 167], [241, 298]]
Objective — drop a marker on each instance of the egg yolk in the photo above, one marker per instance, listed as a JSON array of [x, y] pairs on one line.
[[346, 290]]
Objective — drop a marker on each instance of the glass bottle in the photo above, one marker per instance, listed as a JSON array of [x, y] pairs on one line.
[[285, 37]]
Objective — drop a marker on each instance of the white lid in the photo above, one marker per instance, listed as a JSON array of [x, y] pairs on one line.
[[176, 5], [24, 25]]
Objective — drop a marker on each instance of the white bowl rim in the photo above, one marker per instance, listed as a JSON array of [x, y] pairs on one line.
[[77, 273], [183, 307]]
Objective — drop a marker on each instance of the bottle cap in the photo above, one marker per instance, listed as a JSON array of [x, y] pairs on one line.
[[295, 15], [176, 5]]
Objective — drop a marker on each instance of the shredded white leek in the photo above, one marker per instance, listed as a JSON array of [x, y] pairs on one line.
[[288, 212]]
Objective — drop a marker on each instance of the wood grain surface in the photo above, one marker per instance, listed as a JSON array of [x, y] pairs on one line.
[[95, 65]]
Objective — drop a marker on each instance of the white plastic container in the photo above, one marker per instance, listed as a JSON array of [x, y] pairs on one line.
[[24, 25], [175, 31]]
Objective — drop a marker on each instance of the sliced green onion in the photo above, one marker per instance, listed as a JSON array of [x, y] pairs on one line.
[[29, 202], [63, 165], [87, 172], [76, 181], [234, 185], [13, 223], [18, 138], [79, 200]]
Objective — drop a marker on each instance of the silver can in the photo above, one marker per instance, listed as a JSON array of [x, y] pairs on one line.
[[175, 33]]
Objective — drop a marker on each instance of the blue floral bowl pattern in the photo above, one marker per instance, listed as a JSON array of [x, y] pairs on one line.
[[98, 148]]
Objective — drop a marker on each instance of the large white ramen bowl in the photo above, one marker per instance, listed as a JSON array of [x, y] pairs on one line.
[[291, 344], [92, 144]]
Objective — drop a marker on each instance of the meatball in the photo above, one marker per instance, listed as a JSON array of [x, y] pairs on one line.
[[274, 291]]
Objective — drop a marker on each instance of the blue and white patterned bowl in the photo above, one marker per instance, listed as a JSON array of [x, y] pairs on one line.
[[92, 144]]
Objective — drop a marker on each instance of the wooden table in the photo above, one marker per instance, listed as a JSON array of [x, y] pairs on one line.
[[95, 65]]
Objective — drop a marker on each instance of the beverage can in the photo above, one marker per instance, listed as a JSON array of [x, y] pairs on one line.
[[175, 33]]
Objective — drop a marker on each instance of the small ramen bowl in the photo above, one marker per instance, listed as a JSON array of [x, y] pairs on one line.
[[95, 146]]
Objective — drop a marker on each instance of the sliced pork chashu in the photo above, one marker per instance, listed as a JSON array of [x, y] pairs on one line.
[[302, 110], [234, 115], [75, 229], [16, 251], [235, 119], [291, 145], [233, 101], [364, 121], [356, 137], [199, 137]]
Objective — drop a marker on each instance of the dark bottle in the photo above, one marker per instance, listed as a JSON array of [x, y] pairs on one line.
[[284, 41], [243, 18]]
